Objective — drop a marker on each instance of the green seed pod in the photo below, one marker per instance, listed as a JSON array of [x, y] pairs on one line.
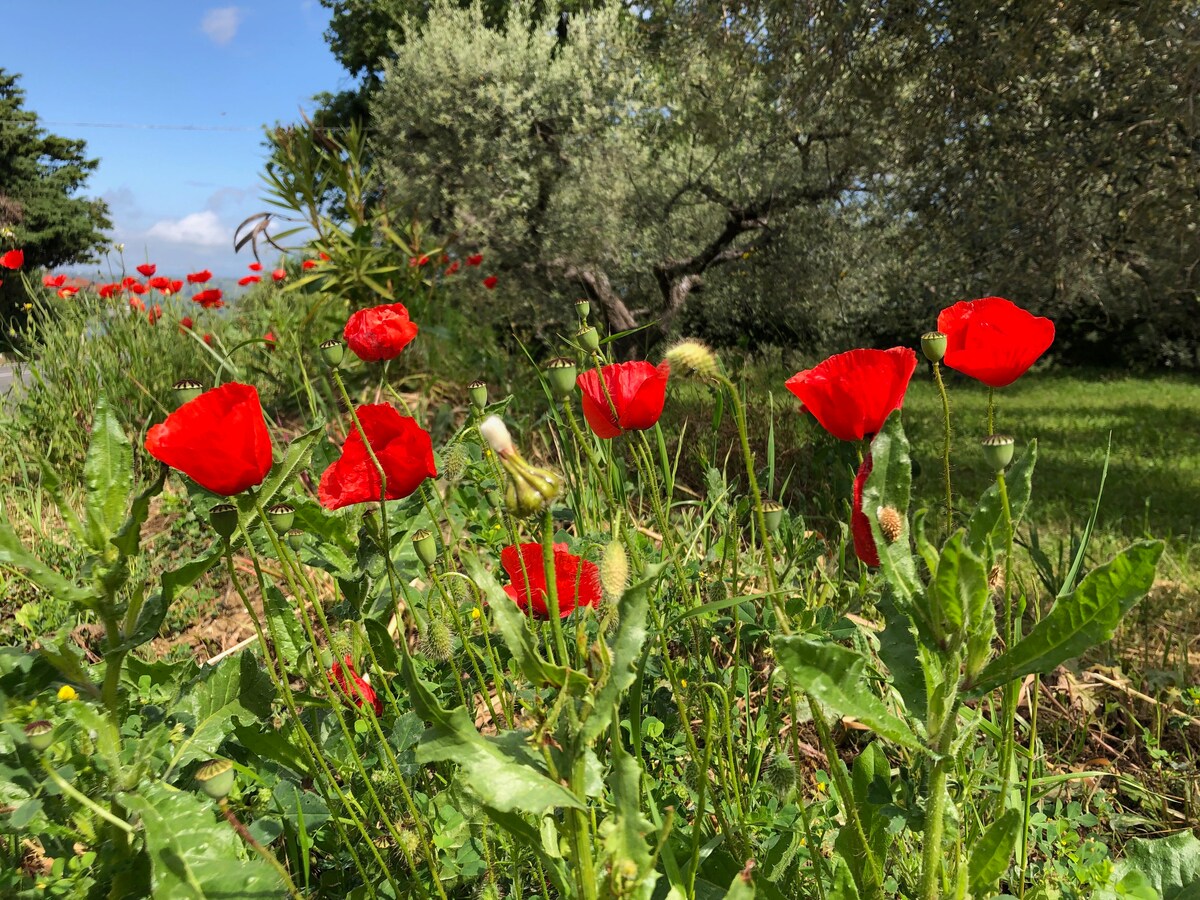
[[933, 345], [439, 643], [224, 519], [614, 570], [780, 773], [281, 516], [333, 352], [588, 339], [455, 462], [998, 450], [478, 392], [186, 390], [216, 778], [40, 734], [295, 538], [426, 547], [561, 372], [772, 514], [583, 309]]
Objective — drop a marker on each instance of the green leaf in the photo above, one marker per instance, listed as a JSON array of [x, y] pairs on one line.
[[959, 586], [899, 652], [530, 838], [990, 856], [13, 553], [837, 677], [130, 533], [988, 514], [235, 687], [742, 886], [1084, 618], [625, 833], [192, 855], [1171, 864], [108, 476]]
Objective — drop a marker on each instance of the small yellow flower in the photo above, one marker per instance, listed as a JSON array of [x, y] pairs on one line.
[[475, 613], [66, 692], [683, 682], [28, 307]]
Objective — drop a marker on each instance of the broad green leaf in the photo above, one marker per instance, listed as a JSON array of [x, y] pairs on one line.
[[871, 782], [742, 886], [837, 677], [959, 587], [899, 652], [235, 687], [149, 621], [1084, 618], [130, 533], [108, 476], [988, 514], [625, 833], [1171, 864], [990, 855], [13, 553], [193, 856], [296, 806], [626, 650]]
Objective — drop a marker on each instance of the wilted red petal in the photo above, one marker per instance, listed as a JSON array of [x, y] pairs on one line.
[[355, 686], [860, 525], [637, 390], [993, 340], [403, 448], [13, 259], [852, 394], [577, 580], [380, 332], [219, 440]]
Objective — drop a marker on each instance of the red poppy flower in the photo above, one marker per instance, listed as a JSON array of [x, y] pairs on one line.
[[147, 269], [107, 291], [249, 279], [403, 448], [54, 281], [219, 440], [475, 259], [255, 267], [269, 337], [860, 525], [186, 322], [13, 259], [452, 268], [356, 686], [65, 292], [490, 282], [852, 394], [155, 313], [577, 580], [380, 332], [209, 299], [161, 283], [135, 303], [138, 288], [129, 281], [309, 264], [279, 275], [175, 287], [638, 391], [993, 340], [324, 256], [199, 277], [208, 339]]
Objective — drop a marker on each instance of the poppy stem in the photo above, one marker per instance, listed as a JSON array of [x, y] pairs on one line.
[[552, 600], [991, 411], [937, 375]]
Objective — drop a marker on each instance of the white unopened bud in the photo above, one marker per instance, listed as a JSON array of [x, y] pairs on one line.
[[495, 432]]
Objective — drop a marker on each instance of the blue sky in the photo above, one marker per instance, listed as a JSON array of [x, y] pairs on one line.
[[190, 86]]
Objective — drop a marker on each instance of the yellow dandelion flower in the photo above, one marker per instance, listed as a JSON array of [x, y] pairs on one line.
[[66, 692]]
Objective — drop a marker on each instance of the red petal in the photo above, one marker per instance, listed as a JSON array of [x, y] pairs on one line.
[[993, 340], [852, 394], [860, 525]]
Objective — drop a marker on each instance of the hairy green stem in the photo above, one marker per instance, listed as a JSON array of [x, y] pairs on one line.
[[937, 375]]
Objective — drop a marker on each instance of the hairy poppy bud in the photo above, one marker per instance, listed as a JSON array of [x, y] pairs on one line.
[[40, 734], [216, 778], [891, 523], [781, 773], [588, 339], [295, 538], [224, 519], [614, 570], [583, 309], [998, 450], [561, 373], [933, 345], [455, 462], [186, 390], [333, 351], [478, 392], [694, 357], [426, 547], [281, 516], [439, 643], [772, 514]]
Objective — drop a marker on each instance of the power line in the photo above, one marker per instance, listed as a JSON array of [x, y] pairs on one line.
[[134, 126]]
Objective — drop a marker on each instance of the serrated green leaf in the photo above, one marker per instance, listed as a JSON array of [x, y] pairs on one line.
[[13, 553], [959, 586], [837, 677], [235, 687], [1082, 619], [899, 652], [107, 475], [130, 533], [990, 855]]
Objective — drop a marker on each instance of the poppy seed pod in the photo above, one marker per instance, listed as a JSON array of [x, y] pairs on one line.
[[186, 390], [478, 392], [224, 519], [40, 734], [281, 516], [561, 374], [588, 339], [772, 514], [694, 357], [426, 547], [998, 450], [933, 345], [583, 309], [216, 778], [333, 352], [295, 538]]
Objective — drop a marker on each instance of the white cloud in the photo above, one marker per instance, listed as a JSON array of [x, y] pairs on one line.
[[202, 229], [221, 24]]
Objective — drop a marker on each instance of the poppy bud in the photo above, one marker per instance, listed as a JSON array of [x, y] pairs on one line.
[[224, 519], [495, 432], [426, 547], [186, 390], [614, 570], [332, 352], [295, 538], [455, 462], [477, 391], [998, 450], [588, 339], [439, 643], [530, 489], [781, 773], [561, 373], [40, 734], [583, 309], [216, 778], [933, 345], [694, 357], [891, 523], [772, 514], [281, 516]]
